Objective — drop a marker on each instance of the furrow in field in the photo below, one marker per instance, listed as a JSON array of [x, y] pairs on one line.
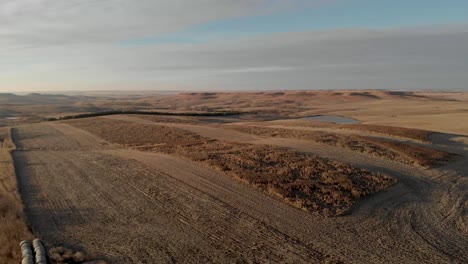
[[122, 208], [424, 215]]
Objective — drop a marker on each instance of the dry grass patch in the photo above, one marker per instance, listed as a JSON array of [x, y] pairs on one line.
[[411, 133], [422, 156], [298, 123], [308, 182], [13, 228], [396, 151], [61, 254], [170, 119]]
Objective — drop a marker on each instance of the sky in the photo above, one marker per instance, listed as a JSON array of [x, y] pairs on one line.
[[52, 45]]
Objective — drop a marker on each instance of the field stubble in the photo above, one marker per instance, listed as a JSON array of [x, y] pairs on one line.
[[131, 212], [308, 182], [415, 221]]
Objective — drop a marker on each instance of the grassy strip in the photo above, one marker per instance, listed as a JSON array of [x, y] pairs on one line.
[[308, 182], [422, 156], [411, 133], [391, 150], [128, 112], [13, 228]]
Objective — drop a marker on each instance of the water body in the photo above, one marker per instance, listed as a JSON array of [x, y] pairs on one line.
[[332, 119]]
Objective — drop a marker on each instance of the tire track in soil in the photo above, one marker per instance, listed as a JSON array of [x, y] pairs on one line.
[[402, 224], [125, 210]]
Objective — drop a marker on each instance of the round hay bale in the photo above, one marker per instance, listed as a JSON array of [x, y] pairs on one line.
[[26, 252], [27, 260], [40, 252]]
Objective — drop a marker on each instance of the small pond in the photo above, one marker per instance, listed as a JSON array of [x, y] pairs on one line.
[[332, 119]]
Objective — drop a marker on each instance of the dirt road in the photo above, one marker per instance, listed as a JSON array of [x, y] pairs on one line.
[[135, 207]]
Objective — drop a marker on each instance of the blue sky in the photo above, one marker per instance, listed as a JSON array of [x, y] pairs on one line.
[[233, 44], [373, 14]]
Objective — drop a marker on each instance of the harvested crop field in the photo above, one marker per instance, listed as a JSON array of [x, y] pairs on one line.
[[131, 134], [307, 182], [128, 201], [87, 184]]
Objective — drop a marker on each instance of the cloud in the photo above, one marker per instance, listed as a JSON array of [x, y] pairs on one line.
[[48, 44], [257, 69], [35, 23]]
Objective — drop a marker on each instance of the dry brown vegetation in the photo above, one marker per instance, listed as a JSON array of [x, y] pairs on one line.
[[312, 183], [308, 182], [170, 119], [410, 133], [12, 225], [417, 134], [397, 151], [294, 123], [63, 254], [422, 156]]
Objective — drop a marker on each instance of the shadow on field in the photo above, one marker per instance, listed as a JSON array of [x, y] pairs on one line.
[[41, 218]]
